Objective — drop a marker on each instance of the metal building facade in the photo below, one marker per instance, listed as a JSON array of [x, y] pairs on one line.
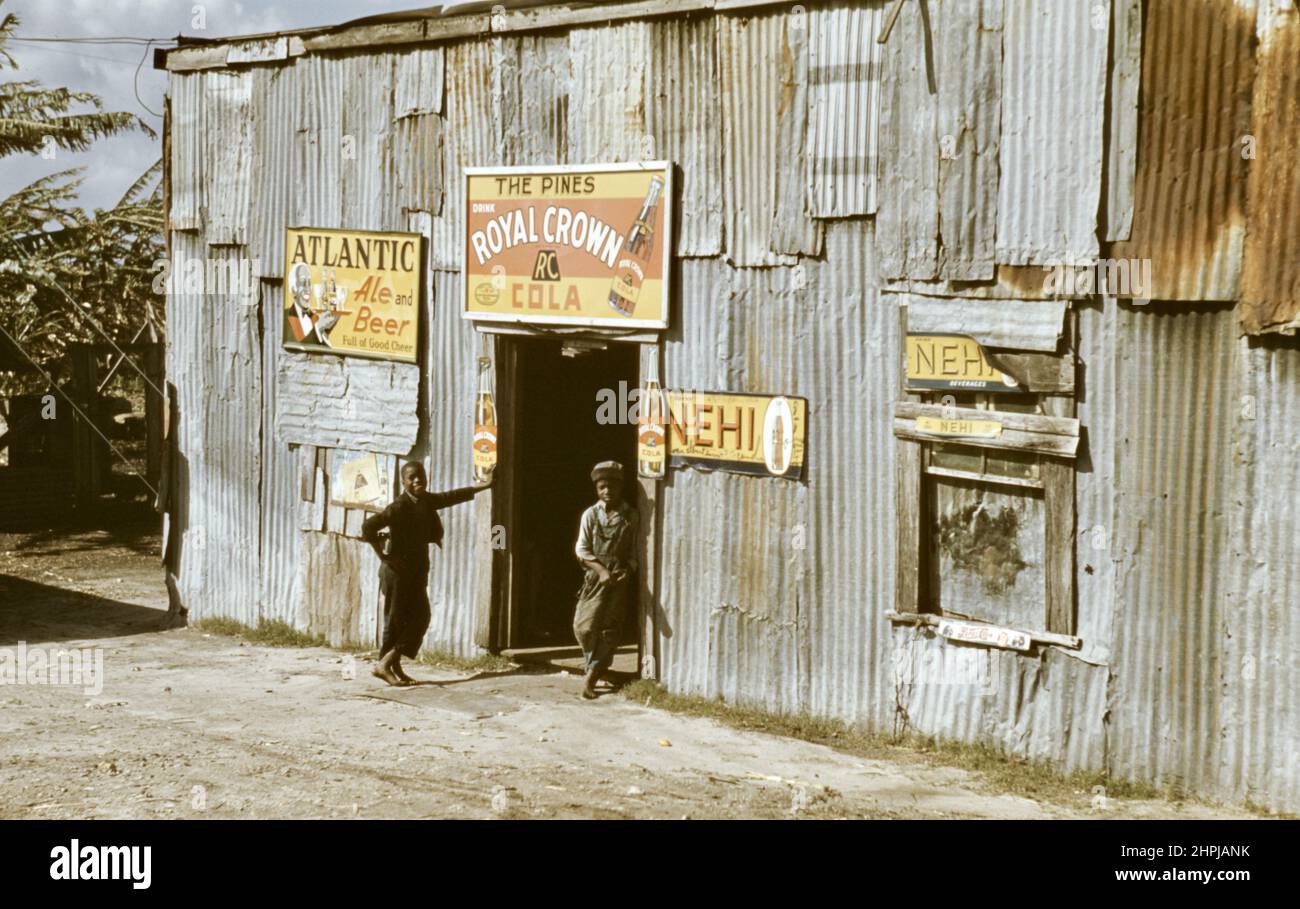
[[825, 179]]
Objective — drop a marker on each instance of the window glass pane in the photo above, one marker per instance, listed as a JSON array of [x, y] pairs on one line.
[[1021, 464], [956, 457]]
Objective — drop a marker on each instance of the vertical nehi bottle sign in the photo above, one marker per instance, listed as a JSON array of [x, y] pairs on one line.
[[485, 424], [639, 247]]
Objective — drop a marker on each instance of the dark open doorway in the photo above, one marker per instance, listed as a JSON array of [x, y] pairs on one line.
[[558, 438]]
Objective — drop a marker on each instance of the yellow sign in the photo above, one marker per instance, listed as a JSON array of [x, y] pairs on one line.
[[571, 245], [973, 429], [953, 362], [761, 435], [352, 292]]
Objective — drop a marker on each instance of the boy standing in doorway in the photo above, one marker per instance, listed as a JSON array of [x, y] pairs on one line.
[[607, 540], [413, 523]]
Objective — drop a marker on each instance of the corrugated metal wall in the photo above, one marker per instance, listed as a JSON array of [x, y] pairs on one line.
[[788, 130]]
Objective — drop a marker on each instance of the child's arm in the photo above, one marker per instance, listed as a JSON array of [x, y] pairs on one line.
[[370, 528], [456, 496]]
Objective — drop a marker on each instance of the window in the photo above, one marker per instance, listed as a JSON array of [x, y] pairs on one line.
[[986, 499]]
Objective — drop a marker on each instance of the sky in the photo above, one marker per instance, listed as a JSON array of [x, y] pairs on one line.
[[110, 71]]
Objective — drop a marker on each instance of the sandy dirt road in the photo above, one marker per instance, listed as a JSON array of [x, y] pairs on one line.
[[195, 725]]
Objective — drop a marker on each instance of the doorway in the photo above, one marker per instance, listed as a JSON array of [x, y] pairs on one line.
[[558, 439]]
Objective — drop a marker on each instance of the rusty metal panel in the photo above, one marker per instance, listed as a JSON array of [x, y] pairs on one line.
[[1270, 295], [280, 568], [535, 84], [1053, 117], [187, 151], [214, 360], [748, 56], [794, 231], [1189, 215], [843, 106], [1123, 81], [450, 389], [1023, 325], [682, 115], [369, 192], [1173, 464], [606, 104], [471, 135], [346, 402], [274, 133], [340, 597], [417, 162], [907, 220], [968, 120], [1261, 671], [316, 193], [228, 143], [418, 82]]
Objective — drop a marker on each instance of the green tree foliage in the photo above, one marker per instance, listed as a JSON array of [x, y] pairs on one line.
[[60, 266]]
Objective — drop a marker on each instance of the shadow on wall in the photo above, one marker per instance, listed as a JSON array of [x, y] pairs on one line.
[[38, 613]]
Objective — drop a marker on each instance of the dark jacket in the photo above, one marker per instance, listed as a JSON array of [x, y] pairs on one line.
[[413, 525]]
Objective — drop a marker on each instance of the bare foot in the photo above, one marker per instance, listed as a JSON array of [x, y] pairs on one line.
[[589, 686], [401, 674], [387, 675]]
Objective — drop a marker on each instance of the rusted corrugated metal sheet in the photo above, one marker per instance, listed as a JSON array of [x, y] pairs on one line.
[[340, 588], [907, 221], [228, 133], [1270, 293], [451, 385], [794, 231], [968, 123], [1123, 82], [280, 575], [217, 373], [843, 106], [1260, 755], [1053, 115], [316, 196], [418, 82], [748, 56], [1023, 325], [187, 151], [1173, 463], [275, 120], [471, 138], [682, 115], [346, 402], [369, 192], [607, 107], [1189, 213], [535, 84]]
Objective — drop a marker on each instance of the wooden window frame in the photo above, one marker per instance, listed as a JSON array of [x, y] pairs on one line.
[[1052, 435]]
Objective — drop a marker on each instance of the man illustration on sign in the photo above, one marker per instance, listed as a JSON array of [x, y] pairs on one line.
[[305, 326]]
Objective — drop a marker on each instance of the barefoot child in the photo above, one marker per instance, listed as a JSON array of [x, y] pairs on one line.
[[413, 523], [607, 548]]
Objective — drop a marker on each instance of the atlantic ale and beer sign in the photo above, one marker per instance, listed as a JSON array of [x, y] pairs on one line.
[[573, 245], [760, 435], [350, 292]]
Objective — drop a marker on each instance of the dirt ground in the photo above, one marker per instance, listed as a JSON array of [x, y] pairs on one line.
[[190, 724]]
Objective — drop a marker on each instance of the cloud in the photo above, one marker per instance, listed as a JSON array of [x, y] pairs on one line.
[[110, 71]]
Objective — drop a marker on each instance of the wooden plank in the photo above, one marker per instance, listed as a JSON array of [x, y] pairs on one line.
[[366, 35], [189, 59], [1044, 424], [307, 472], [1059, 537], [1042, 637], [1009, 440], [648, 595], [1038, 372]]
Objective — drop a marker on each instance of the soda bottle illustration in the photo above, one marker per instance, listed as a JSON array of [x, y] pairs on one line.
[[650, 449], [638, 248], [485, 424]]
